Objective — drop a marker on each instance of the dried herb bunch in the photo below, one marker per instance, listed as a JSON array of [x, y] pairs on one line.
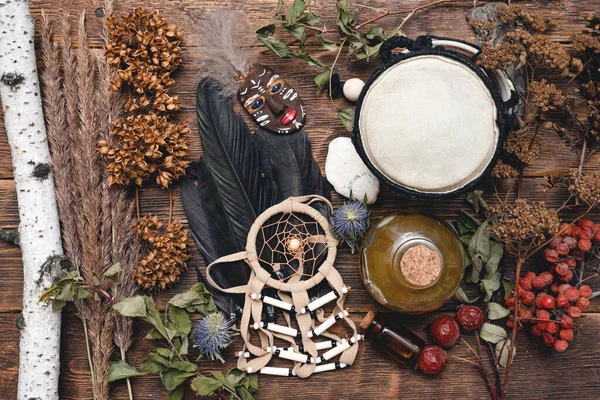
[[95, 218], [144, 50], [166, 252]]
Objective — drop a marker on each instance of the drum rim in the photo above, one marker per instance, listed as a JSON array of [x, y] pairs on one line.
[[501, 121]]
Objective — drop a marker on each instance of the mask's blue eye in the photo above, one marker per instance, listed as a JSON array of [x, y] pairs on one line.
[[257, 104], [276, 88]]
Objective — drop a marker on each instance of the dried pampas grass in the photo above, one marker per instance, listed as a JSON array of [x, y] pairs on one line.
[[95, 218]]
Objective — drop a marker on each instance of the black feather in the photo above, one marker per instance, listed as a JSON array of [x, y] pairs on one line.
[[231, 190]]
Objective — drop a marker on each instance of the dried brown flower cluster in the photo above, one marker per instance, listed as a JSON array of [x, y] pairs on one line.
[[145, 50], [504, 171], [516, 14], [593, 21], [522, 223], [524, 144], [149, 145], [502, 56], [585, 41], [167, 257], [547, 96], [586, 187]]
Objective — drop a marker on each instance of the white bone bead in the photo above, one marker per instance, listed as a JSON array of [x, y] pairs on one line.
[[284, 330], [327, 344], [242, 354], [272, 301], [290, 355], [340, 348], [328, 323], [320, 302], [277, 371], [329, 367]]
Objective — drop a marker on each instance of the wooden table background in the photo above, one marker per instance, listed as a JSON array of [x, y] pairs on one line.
[[537, 373]]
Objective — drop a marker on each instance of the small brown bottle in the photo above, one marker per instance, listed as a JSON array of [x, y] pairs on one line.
[[403, 345]]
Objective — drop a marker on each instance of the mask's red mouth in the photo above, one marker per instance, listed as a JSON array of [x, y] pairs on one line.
[[288, 117]]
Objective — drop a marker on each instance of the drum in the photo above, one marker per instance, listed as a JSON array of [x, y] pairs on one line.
[[429, 122]]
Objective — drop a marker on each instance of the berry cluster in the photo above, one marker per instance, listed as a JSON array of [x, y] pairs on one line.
[[547, 301]]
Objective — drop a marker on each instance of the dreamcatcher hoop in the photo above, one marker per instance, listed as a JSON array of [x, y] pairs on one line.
[[294, 300]]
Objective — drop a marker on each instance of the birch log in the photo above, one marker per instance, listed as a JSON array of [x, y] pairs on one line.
[[39, 361]]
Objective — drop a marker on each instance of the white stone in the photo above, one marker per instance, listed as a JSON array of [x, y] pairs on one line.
[[347, 172], [352, 88]]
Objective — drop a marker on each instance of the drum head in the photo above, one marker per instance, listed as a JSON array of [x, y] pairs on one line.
[[428, 124]]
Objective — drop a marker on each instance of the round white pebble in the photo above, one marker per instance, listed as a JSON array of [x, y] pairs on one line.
[[352, 88]]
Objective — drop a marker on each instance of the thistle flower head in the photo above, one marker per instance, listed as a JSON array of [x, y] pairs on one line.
[[212, 334], [350, 222]]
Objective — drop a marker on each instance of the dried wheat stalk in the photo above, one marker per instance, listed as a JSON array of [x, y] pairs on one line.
[[95, 219]]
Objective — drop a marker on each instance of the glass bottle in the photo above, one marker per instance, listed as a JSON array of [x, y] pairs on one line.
[[403, 345]]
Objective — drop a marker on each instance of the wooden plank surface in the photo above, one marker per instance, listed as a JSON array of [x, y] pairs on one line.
[[538, 373]]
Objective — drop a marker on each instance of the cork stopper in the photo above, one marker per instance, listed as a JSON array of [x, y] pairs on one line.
[[366, 322]]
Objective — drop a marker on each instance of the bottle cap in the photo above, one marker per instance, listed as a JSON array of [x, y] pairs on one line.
[[366, 322]]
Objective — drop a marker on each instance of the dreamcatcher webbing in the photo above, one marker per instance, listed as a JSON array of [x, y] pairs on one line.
[[296, 285]]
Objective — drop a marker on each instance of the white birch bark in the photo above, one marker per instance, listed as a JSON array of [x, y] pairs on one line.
[[39, 361]]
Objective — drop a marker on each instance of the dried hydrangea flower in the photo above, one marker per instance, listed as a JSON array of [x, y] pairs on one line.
[[524, 144], [167, 255], [522, 223], [350, 222], [585, 42], [212, 334], [504, 171], [586, 187], [516, 15], [547, 96], [147, 145]]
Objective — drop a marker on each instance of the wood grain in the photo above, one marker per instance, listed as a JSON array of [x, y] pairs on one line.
[[538, 372]]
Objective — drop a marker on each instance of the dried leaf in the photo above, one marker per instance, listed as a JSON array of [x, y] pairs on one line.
[[492, 333], [346, 115], [121, 370], [461, 296], [502, 350], [496, 311]]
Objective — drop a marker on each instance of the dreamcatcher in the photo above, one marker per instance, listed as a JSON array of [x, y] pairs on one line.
[[290, 250]]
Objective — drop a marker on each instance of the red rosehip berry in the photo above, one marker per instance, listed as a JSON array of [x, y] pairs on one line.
[[571, 262], [471, 317], [565, 229], [572, 293], [554, 288], [570, 242], [575, 231], [554, 242], [586, 234], [536, 331], [530, 275], [585, 291], [549, 339], [583, 303], [445, 331], [432, 360], [539, 282], [574, 312], [562, 301], [510, 301], [543, 315], [551, 255], [584, 245], [562, 249], [526, 283], [561, 346], [568, 277], [548, 277], [547, 301], [566, 334], [529, 298], [552, 328], [561, 269], [542, 325], [586, 224], [525, 315], [566, 322], [597, 233], [521, 292]]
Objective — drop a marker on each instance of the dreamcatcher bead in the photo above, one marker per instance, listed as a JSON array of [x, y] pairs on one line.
[[273, 301], [339, 349], [272, 371], [284, 330], [328, 323], [294, 244], [242, 354], [329, 367], [321, 301], [290, 355]]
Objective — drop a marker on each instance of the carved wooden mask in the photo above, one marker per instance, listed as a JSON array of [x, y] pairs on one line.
[[271, 101]]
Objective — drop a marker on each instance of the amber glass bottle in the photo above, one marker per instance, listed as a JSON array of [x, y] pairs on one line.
[[403, 345]]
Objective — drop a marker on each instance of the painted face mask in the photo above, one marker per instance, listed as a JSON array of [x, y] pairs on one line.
[[271, 101]]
